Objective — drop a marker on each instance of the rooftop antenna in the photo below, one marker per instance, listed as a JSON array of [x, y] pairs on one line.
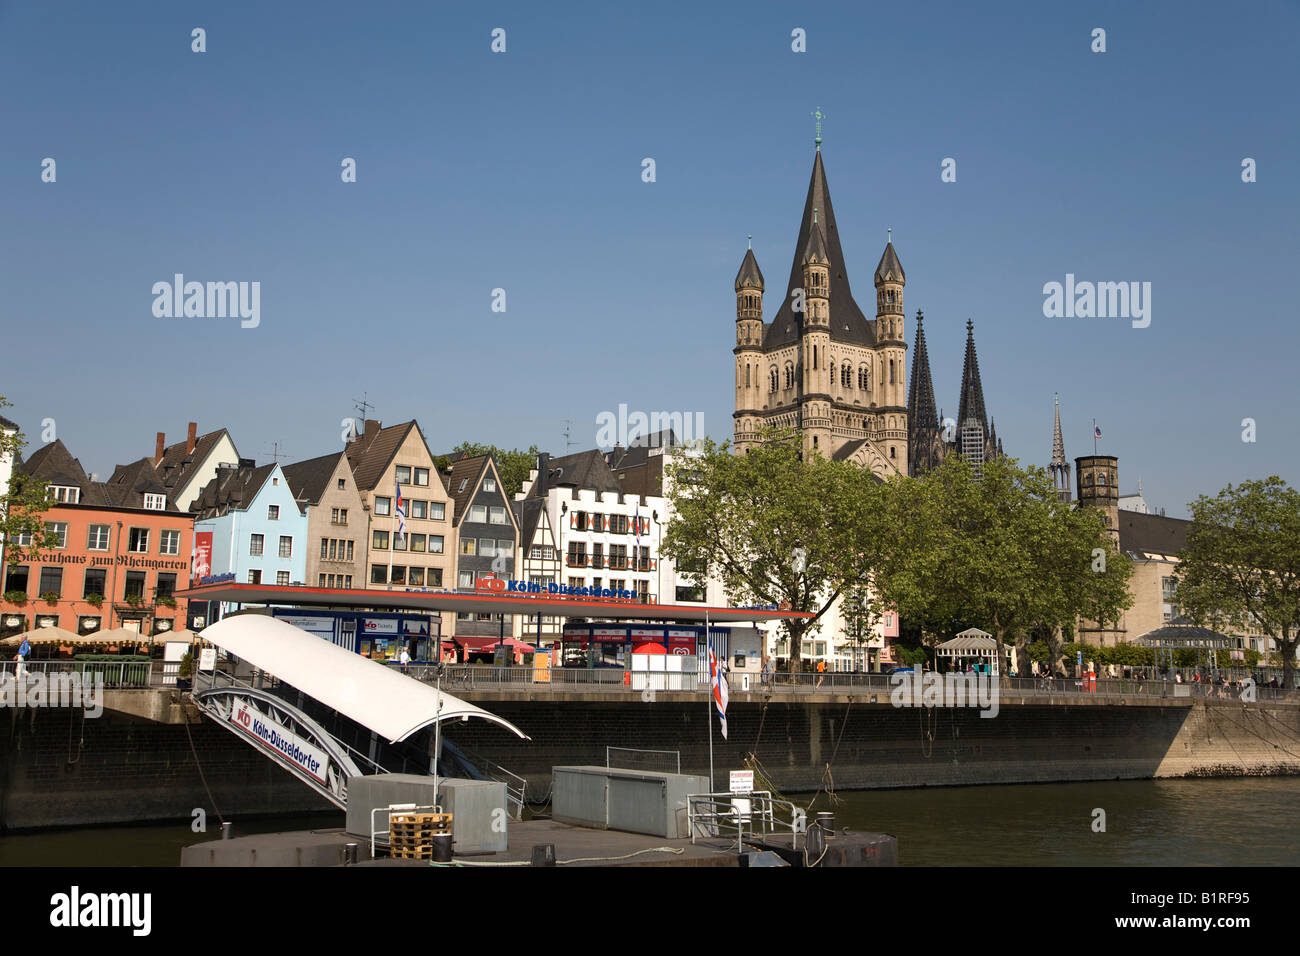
[[275, 452], [568, 422], [363, 406]]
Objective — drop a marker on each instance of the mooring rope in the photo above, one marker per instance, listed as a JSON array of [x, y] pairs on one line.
[[195, 752]]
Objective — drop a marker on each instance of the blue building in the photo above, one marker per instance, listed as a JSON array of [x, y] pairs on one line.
[[251, 525]]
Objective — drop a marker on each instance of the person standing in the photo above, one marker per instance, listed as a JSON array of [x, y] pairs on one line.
[[405, 658]]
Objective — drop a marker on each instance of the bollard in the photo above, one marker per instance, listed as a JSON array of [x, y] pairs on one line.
[[544, 854], [225, 830], [349, 854], [826, 820]]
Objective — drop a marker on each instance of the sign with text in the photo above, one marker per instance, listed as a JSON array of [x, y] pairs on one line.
[[742, 781], [269, 734]]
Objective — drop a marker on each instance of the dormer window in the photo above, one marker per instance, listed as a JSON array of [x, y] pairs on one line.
[[64, 494], [155, 502]]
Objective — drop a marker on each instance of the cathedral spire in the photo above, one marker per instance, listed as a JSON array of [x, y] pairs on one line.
[[972, 392], [922, 419], [1059, 468]]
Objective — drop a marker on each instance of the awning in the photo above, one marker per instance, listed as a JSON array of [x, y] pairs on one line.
[[376, 696]]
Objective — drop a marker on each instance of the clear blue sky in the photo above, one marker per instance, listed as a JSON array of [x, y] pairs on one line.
[[522, 171]]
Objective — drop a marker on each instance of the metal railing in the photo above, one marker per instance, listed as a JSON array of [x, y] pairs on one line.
[[753, 815], [118, 675], [625, 765]]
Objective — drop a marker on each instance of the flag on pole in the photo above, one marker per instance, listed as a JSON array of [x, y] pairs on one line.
[[400, 511], [719, 681], [636, 522], [1096, 431]]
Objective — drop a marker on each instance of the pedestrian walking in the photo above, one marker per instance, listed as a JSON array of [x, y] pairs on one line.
[[405, 658], [821, 672]]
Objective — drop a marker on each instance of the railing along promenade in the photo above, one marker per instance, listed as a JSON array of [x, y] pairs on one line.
[[114, 675], [461, 677]]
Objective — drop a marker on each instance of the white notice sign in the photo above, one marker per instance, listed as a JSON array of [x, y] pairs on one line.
[[207, 658], [742, 781]]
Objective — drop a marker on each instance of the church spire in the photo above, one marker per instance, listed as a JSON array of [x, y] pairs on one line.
[[922, 419], [1059, 467], [972, 392]]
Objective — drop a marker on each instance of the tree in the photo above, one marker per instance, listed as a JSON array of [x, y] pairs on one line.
[[22, 506], [513, 466], [1241, 563], [773, 527], [998, 550]]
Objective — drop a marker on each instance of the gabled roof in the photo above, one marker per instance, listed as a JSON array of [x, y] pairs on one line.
[[528, 515], [7, 424], [233, 489], [1142, 534], [176, 466], [847, 323], [373, 451], [620, 458], [463, 483], [308, 480], [584, 469], [128, 486], [55, 464]]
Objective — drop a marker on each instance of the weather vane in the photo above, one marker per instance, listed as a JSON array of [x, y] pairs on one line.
[[819, 116]]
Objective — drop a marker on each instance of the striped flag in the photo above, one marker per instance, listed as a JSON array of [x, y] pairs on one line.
[[1096, 431], [400, 511], [719, 681]]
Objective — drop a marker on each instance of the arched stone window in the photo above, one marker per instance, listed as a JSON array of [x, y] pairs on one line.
[[746, 375], [891, 371], [864, 378], [776, 380]]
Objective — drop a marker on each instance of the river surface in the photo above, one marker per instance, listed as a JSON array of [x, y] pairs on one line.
[[1236, 822]]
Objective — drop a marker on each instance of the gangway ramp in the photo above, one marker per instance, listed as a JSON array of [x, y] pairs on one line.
[[389, 704]]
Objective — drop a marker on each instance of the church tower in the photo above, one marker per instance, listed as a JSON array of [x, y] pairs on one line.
[[748, 351], [889, 280], [976, 442], [1059, 467], [815, 402]]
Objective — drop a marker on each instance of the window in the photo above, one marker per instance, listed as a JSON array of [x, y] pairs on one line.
[[322, 581], [379, 541], [577, 554], [478, 513], [467, 545], [891, 371], [579, 521], [417, 542], [134, 584], [618, 556], [383, 506], [97, 538], [433, 577], [399, 542], [419, 509], [67, 494], [437, 511], [155, 502], [465, 580], [415, 577], [51, 580], [378, 574], [489, 484], [542, 552], [422, 477], [60, 531], [17, 579], [281, 577], [255, 543], [272, 512], [575, 582], [597, 555], [339, 515], [846, 375], [286, 546], [487, 547], [864, 379], [255, 577], [351, 549], [499, 516], [688, 593], [435, 544], [347, 580], [138, 541], [399, 574], [166, 585], [403, 474], [505, 546], [169, 542], [95, 581], [775, 379], [343, 483], [324, 548]]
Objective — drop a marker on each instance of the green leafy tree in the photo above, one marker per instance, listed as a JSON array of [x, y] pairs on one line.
[[22, 506], [512, 465], [1241, 564], [773, 527]]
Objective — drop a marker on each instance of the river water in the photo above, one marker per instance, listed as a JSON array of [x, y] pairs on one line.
[[1236, 822]]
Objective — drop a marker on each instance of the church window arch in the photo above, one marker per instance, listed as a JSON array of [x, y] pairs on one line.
[[746, 375], [891, 371], [864, 378], [775, 378]]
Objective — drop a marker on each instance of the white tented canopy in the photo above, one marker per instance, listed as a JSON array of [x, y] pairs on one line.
[[375, 696], [972, 643]]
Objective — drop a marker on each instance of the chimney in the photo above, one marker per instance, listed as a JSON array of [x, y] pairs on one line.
[[159, 446], [192, 438], [372, 427], [543, 466]]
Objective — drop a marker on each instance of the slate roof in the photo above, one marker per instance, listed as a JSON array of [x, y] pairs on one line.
[[467, 472], [374, 449], [847, 323], [233, 489], [528, 515], [175, 467], [584, 469], [55, 464], [309, 479], [749, 276], [889, 264], [620, 458], [1141, 534]]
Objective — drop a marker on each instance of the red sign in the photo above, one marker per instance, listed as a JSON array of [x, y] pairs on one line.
[[201, 557], [490, 584]]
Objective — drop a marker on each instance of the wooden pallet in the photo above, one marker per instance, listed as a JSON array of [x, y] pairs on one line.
[[412, 853], [442, 820]]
